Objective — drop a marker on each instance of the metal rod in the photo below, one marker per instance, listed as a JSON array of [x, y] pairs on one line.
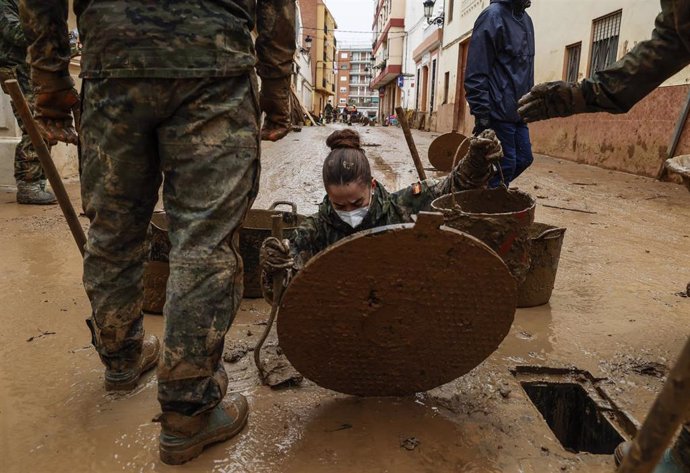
[[47, 163], [402, 118], [680, 126], [278, 288], [669, 411]]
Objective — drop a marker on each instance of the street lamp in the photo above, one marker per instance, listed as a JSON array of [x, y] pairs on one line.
[[429, 11], [307, 44]]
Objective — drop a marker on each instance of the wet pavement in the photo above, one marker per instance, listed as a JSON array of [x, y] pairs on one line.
[[615, 312]]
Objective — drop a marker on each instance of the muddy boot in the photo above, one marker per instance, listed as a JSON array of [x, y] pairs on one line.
[[669, 463], [128, 380], [275, 101], [32, 193], [184, 438]]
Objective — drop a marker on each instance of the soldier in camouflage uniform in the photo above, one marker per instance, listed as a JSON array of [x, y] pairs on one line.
[[356, 202], [27, 168], [616, 90], [169, 95]]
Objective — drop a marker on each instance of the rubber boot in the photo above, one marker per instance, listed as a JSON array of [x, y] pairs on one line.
[[185, 437], [275, 101], [128, 380], [31, 193], [669, 462]]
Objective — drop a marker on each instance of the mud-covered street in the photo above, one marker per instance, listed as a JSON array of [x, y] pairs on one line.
[[617, 312]]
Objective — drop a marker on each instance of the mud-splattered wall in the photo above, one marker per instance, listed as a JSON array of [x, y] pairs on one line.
[[635, 142]]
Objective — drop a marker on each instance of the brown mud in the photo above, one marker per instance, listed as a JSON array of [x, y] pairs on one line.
[[614, 313]]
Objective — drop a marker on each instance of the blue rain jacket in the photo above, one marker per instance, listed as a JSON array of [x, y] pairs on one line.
[[500, 62]]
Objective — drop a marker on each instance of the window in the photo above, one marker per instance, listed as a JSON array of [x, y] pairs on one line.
[[343, 78], [416, 105], [572, 62], [343, 100], [605, 35], [446, 86], [343, 90], [343, 55], [451, 4], [433, 86], [344, 66]]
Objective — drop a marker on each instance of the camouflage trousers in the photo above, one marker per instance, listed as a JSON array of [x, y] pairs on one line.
[[27, 166], [199, 137]]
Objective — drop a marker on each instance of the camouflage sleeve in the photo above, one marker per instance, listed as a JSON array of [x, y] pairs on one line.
[[10, 27], [276, 42], [645, 67], [306, 241], [45, 24]]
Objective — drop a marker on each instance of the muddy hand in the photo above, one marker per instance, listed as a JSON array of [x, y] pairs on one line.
[[486, 145], [54, 115], [275, 255], [552, 100]]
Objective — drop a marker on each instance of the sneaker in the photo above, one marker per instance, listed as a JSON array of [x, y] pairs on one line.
[[667, 464], [183, 438], [128, 380], [31, 193]]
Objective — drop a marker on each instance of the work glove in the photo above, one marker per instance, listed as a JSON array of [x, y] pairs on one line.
[[485, 148], [552, 100], [53, 115], [475, 170], [275, 256], [481, 124], [275, 102]]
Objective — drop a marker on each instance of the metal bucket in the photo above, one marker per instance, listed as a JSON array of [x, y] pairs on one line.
[[499, 217], [256, 228], [546, 243]]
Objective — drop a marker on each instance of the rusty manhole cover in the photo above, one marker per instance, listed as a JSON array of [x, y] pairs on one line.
[[397, 310], [442, 150]]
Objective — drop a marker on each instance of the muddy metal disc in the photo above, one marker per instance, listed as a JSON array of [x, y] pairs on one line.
[[442, 150], [397, 310]]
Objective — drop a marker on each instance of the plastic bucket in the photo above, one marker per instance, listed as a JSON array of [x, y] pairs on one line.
[[501, 218], [545, 253]]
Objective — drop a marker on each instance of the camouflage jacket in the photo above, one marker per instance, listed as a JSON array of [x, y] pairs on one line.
[[12, 40], [646, 66], [161, 39], [324, 228]]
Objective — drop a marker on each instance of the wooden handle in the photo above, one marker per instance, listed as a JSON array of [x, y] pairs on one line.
[[402, 118], [47, 163]]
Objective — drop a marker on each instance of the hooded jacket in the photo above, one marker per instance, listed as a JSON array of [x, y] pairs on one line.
[[500, 62]]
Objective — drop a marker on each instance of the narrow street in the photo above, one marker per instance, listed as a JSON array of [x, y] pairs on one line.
[[616, 312]]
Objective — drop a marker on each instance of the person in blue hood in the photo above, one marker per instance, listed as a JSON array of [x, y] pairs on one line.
[[500, 70]]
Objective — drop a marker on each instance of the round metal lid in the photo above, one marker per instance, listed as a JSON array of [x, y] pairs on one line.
[[397, 310], [442, 150]]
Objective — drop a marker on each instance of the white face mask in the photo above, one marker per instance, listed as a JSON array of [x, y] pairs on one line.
[[353, 217]]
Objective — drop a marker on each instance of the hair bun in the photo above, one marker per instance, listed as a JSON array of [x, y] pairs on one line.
[[344, 139]]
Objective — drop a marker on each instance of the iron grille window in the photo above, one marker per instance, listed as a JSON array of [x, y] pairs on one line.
[[572, 58], [605, 35]]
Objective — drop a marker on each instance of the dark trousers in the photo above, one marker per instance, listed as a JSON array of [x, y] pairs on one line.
[[517, 150]]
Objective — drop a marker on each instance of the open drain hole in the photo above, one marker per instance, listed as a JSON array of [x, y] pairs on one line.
[[573, 417]]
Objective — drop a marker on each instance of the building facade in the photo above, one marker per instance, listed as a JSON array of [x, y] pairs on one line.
[[598, 33], [319, 26], [355, 71], [389, 52], [303, 80]]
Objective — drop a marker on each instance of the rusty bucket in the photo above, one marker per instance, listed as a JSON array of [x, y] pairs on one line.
[[500, 217], [156, 269], [256, 228], [545, 253]]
